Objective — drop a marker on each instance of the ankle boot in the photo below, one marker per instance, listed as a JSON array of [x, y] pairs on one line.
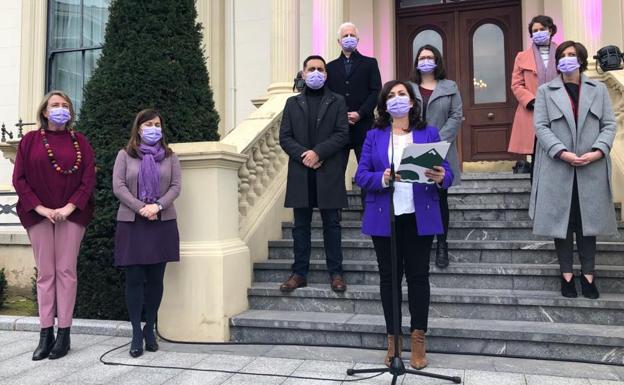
[[151, 345], [390, 354], [568, 289], [442, 258], [589, 289], [61, 345], [46, 342], [419, 358]]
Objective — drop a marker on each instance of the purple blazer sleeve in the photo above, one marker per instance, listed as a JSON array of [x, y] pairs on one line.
[[176, 182], [366, 176]]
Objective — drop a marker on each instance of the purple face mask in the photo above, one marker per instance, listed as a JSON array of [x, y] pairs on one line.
[[426, 66], [568, 64], [315, 80], [398, 106], [541, 37], [59, 115], [150, 135], [349, 43]]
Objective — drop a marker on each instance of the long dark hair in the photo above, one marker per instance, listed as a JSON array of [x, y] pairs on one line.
[[438, 73], [132, 148], [384, 119]]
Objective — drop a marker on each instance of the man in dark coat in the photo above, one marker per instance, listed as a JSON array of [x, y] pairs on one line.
[[314, 133], [357, 78]]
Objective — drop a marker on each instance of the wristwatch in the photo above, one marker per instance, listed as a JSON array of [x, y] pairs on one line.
[[160, 206]]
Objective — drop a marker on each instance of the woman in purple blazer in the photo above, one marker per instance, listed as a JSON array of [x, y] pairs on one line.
[[146, 180], [416, 209]]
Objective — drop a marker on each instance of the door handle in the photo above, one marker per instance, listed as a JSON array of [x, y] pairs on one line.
[[490, 115]]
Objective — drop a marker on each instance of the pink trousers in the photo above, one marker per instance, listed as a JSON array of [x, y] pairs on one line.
[[56, 249]]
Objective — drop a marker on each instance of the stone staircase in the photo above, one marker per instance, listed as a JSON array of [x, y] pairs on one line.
[[499, 296]]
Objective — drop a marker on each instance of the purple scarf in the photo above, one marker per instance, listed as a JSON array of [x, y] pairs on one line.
[[545, 74], [149, 177]]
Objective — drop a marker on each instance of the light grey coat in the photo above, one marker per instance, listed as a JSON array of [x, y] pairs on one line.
[[125, 186], [551, 194], [444, 112]]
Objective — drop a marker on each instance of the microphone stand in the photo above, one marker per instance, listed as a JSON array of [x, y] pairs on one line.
[[397, 368]]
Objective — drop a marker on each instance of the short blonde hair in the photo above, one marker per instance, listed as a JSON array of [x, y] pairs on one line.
[[42, 121], [345, 25]]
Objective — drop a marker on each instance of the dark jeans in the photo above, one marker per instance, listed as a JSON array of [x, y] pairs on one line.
[[586, 245], [444, 210], [144, 291], [413, 259], [332, 238]]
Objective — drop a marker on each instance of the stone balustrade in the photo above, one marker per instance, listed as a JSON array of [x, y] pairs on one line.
[[614, 81]]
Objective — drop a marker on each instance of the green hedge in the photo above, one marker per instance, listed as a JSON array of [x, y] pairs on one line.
[[152, 57]]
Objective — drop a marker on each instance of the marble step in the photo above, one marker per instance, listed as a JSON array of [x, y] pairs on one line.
[[490, 180], [522, 252], [469, 197], [458, 230], [595, 343], [457, 213], [520, 305], [609, 279]]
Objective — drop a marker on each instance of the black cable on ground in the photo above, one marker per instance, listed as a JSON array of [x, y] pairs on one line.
[[285, 376]]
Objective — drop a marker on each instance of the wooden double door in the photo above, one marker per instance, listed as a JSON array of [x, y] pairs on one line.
[[478, 41]]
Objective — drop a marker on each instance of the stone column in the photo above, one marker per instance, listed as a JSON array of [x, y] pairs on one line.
[[327, 15], [582, 22], [284, 45], [211, 13], [32, 59], [209, 284]]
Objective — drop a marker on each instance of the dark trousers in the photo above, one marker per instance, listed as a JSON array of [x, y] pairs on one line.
[[413, 259], [586, 245], [144, 291], [332, 240], [444, 210]]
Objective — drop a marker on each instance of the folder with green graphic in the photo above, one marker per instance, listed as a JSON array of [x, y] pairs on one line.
[[420, 157]]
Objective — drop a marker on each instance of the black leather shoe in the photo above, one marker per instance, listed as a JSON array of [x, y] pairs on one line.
[[589, 289], [46, 342], [150, 340], [61, 345], [442, 258], [568, 289]]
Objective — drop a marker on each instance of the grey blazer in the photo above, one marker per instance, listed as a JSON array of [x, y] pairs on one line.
[[444, 112], [126, 181], [553, 178]]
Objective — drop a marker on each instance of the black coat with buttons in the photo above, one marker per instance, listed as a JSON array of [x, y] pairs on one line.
[[332, 137], [360, 88]]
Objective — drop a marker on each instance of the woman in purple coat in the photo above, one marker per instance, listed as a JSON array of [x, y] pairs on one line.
[[416, 209]]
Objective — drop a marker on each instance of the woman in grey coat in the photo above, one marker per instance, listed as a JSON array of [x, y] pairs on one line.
[[571, 193], [442, 108]]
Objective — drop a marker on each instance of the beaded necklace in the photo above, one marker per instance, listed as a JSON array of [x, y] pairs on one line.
[[55, 164]]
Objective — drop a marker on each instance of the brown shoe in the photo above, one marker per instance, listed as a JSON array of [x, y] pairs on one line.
[[390, 354], [338, 283], [293, 282], [419, 358]]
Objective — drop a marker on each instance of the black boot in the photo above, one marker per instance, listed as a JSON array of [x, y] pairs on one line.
[[589, 289], [46, 342], [61, 345], [442, 258], [150, 339], [568, 289]]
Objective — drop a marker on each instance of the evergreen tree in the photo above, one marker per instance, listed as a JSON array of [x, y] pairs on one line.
[[152, 58]]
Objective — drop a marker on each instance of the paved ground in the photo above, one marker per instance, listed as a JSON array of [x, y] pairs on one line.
[[82, 365]]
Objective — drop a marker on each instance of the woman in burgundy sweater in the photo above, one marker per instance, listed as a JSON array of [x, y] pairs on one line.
[[54, 177]]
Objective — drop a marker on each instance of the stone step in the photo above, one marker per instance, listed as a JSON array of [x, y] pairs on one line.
[[522, 252], [458, 230], [469, 197], [595, 343], [490, 180], [520, 305], [609, 279]]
